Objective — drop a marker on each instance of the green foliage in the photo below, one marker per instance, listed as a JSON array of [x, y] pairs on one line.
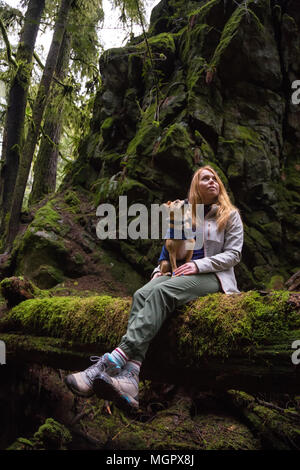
[[203, 11], [110, 188], [231, 28], [130, 10], [52, 435], [84, 20]]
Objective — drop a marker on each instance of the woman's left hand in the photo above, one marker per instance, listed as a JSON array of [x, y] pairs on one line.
[[186, 269]]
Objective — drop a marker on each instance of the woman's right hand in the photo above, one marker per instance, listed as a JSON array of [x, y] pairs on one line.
[[156, 275]]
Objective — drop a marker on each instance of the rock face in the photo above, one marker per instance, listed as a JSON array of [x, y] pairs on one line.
[[216, 89]]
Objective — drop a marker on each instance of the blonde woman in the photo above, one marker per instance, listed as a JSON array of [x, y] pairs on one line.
[[115, 375]]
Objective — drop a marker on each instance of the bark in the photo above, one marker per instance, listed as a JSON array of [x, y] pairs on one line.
[[45, 167], [293, 283], [14, 126], [37, 115]]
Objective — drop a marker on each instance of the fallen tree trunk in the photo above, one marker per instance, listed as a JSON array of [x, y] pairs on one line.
[[276, 427], [217, 342]]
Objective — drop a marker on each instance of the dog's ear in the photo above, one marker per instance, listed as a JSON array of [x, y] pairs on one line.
[[180, 203]]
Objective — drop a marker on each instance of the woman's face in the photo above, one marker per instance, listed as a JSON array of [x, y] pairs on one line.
[[209, 187]]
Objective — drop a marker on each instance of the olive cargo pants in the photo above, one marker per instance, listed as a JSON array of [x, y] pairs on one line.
[[152, 303]]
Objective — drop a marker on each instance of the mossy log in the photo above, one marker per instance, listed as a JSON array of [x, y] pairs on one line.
[[17, 289], [277, 428], [242, 341], [293, 283]]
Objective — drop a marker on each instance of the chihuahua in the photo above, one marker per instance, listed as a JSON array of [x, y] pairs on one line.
[[179, 249]]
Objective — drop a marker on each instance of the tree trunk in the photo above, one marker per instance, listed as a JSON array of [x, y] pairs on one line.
[[15, 116], [45, 167], [37, 115]]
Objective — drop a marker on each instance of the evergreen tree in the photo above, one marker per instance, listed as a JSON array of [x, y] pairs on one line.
[[79, 55], [45, 167], [15, 117], [37, 115]]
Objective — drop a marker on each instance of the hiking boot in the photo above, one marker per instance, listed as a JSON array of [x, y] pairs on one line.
[[122, 389], [81, 383]]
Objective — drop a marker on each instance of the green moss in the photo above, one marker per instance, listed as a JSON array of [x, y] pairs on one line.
[[10, 284], [72, 200], [247, 135], [230, 30], [52, 435], [221, 432], [47, 276], [219, 325], [22, 444], [47, 218], [36, 248], [163, 42], [276, 282], [203, 11], [259, 238], [110, 188], [195, 70], [78, 258], [107, 123], [86, 320], [122, 272], [146, 134], [276, 428]]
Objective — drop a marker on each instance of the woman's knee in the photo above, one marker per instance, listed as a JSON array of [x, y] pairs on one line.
[[161, 291]]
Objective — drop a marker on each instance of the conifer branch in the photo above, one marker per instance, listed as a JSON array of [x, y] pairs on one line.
[[7, 44], [156, 117]]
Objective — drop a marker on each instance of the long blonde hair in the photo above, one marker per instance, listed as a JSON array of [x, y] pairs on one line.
[[225, 206]]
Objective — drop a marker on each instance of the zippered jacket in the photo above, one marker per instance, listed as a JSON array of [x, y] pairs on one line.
[[222, 249]]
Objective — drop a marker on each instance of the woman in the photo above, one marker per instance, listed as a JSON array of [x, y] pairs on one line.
[[115, 375]]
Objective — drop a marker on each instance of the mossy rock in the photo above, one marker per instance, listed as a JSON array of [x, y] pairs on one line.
[[46, 276], [51, 435]]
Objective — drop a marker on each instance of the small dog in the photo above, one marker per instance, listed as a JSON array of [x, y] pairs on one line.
[[178, 249]]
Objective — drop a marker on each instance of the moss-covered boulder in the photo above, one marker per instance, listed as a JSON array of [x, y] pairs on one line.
[[216, 91], [60, 243]]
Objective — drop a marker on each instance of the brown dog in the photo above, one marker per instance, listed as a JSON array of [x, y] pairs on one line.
[[178, 249]]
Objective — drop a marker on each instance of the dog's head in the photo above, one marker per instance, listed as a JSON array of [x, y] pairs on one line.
[[174, 209], [179, 213]]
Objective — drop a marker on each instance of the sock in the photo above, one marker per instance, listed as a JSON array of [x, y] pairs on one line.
[[135, 365], [119, 357]]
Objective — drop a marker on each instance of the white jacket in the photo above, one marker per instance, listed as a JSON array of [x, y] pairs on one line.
[[222, 249]]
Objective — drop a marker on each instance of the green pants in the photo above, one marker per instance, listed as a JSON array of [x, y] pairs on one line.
[[152, 303]]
